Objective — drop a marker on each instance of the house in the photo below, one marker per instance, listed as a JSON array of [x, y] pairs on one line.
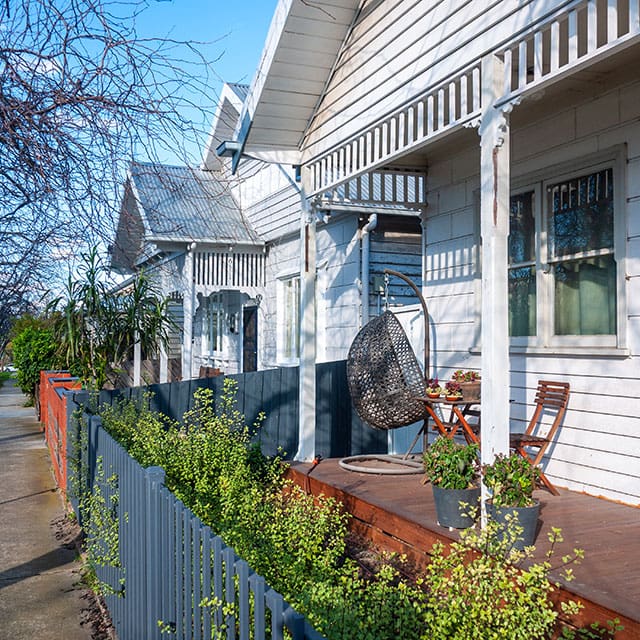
[[187, 225], [183, 228], [510, 131]]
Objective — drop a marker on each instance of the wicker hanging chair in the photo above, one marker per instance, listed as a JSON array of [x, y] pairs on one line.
[[384, 377], [385, 381]]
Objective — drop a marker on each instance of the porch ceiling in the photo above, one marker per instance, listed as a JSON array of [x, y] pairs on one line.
[[302, 47]]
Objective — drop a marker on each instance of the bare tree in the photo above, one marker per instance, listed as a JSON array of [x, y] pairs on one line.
[[81, 94]]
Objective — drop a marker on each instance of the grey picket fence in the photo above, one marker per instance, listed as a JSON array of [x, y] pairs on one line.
[[170, 576]]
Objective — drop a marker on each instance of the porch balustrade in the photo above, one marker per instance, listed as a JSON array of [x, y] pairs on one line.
[[573, 36]]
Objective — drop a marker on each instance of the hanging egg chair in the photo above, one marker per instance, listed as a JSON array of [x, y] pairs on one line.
[[386, 383]]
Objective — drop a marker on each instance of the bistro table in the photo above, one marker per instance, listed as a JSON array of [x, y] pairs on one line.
[[459, 411]]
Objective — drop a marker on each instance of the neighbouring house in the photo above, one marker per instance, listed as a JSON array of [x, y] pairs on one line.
[[225, 247], [503, 139], [183, 227]]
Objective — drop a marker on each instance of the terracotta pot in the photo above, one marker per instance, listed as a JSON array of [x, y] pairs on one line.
[[470, 391]]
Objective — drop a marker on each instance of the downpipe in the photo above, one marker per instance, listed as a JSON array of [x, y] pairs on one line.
[[365, 266]]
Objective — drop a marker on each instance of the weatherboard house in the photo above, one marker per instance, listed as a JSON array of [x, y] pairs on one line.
[[184, 229], [502, 140], [223, 243]]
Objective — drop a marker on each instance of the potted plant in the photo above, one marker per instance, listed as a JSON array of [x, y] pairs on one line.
[[469, 382], [511, 480], [434, 390], [452, 391], [453, 470]]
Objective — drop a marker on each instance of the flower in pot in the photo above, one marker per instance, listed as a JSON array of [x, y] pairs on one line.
[[433, 388], [453, 470], [452, 390], [511, 480], [469, 382], [465, 376]]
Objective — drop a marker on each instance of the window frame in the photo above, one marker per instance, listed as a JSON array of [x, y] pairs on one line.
[[285, 313], [210, 301], [536, 189], [539, 182]]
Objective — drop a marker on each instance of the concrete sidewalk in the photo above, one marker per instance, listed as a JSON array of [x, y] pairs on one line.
[[40, 595]]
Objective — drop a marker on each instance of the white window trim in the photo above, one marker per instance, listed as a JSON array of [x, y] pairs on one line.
[[207, 351], [283, 359], [545, 342]]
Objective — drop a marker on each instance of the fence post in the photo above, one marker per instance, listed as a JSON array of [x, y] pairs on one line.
[[154, 479], [294, 621]]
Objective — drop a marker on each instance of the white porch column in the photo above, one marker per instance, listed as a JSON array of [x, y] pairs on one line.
[[164, 364], [137, 362], [494, 229], [164, 357], [188, 303], [307, 388]]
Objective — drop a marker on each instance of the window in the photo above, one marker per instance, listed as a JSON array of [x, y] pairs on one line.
[[522, 265], [212, 325], [289, 319], [565, 279]]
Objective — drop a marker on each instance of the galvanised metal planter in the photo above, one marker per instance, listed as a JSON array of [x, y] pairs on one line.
[[449, 510], [526, 517]]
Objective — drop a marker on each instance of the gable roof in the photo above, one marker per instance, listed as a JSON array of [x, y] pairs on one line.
[[232, 98], [170, 204], [182, 203], [300, 54]]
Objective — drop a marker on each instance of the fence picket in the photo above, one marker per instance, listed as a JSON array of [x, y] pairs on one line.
[[179, 510], [170, 561], [196, 578], [242, 571], [229, 559], [207, 592]]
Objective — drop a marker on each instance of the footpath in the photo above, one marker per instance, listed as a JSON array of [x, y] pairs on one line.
[[40, 592]]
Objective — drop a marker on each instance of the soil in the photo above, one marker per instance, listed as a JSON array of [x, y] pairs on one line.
[[369, 559], [94, 615]]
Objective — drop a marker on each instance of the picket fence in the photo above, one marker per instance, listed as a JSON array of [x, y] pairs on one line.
[[170, 576]]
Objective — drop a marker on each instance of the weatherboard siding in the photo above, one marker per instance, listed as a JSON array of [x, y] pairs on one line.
[[598, 446], [269, 200], [399, 49]]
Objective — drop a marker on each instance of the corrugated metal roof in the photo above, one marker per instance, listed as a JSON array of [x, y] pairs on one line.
[[183, 203]]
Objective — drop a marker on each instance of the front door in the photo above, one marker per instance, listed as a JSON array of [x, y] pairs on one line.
[[249, 339]]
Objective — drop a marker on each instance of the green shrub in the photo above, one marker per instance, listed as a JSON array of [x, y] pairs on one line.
[[34, 349], [298, 542], [477, 588]]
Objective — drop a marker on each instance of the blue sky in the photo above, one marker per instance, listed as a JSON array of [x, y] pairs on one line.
[[235, 30]]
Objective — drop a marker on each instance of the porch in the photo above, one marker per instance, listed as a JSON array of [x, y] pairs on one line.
[[397, 514]]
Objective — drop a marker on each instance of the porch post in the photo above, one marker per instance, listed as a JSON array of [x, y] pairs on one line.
[[307, 385], [494, 229], [187, 305], [137, 362], [164, 357], [164, 364]]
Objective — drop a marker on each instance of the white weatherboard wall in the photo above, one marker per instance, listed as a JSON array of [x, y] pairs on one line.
[[271, 202], [598, 445], [400, 48]]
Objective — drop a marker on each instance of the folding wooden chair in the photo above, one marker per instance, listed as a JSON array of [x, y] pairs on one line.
[[551, 401]]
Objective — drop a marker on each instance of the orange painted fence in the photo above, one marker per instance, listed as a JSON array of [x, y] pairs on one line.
[[53, 415]]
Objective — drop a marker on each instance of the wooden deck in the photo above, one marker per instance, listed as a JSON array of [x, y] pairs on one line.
[[397, 513]]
